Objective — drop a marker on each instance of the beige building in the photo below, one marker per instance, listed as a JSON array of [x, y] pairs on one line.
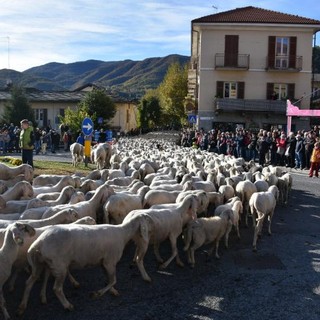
[[245, 63], [49, 105]]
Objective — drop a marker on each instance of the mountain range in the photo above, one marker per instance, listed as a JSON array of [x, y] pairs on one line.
[[131, 78]]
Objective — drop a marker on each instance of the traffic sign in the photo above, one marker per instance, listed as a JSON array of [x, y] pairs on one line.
[[192, 118], [87, 126]]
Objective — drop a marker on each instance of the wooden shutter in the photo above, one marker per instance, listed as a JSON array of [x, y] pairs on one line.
[[292, 52], [231, 50], [219, 93], [240, 90], [291, 88], [45, 117], [271, 52], [270, 89]]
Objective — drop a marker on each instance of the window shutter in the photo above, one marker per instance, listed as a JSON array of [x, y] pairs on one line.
[[291, 88], [240, 90], [270, 90], [271, 51], [45, 117], [231, 50], [292, 52], [219, 93]]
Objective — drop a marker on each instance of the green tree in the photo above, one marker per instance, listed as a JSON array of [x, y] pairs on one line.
[[172, 91], [149, 110], [18, 107], [74, 118], [99, 104]]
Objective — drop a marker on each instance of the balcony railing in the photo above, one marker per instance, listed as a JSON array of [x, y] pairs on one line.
[[252, 105], [232, 61], [288, 63]]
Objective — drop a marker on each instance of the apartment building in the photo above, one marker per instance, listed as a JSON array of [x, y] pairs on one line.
[[245, 64]]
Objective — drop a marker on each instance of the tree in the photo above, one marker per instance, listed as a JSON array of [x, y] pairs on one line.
[[99, 104], [172, 91], [18, 107], [149, 110], [74, 118]]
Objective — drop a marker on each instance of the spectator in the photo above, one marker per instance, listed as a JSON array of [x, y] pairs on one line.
[[253, 152], [299, 152], [37, 136], [80, 138], [290, 150], [281, 148], [26, 142], [263, 149], [315, 160]]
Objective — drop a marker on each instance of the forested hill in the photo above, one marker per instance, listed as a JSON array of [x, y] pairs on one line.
[[133, 77]]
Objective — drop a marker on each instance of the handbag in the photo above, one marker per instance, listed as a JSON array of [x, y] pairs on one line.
[[280, 151], [287, 154]]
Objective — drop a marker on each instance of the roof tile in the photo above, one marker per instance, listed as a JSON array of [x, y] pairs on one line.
[[254, 15]]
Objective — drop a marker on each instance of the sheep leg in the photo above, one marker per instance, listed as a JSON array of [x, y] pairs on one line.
[[217, 248], [43, 291], [58, 289], [13, 279], [157, 253], [237, 229], [140, 253], [73, 281], [226, 236], [257, 230], [3, 306], [173, 241], [36, 272], [269, 220], [111, 271]]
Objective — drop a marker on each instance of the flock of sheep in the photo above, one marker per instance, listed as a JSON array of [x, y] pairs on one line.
[[53, 224]]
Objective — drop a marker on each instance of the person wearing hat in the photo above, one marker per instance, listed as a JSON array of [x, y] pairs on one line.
[[26, 142]]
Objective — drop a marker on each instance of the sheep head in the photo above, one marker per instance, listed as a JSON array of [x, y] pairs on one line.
[[19, 230]]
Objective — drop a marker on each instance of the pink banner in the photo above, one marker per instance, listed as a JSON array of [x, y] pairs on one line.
[[295, 111]]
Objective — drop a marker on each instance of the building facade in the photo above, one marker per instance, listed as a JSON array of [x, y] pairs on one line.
[[245, 64], [48, 106]]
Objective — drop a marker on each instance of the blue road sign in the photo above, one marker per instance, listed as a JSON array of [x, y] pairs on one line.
[[192, 118], [87, 126]]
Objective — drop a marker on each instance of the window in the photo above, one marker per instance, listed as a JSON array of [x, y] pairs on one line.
[[38, 114], [282, 53], [280, 91], [230, 90]]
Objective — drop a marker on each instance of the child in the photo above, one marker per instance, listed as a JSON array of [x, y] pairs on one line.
[[315, 160]]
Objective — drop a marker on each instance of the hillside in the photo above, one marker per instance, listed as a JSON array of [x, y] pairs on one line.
[[127, 77]]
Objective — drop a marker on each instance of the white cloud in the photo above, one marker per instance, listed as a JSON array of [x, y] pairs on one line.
[[68, 31]]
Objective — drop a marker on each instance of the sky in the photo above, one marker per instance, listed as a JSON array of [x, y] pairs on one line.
[[36, 32]]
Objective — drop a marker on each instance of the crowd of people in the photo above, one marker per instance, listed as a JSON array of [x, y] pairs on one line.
[[299, 150]]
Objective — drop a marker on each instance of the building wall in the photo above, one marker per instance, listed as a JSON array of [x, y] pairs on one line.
[[253, 40]]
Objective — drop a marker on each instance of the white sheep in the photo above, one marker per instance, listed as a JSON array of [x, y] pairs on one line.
[[22, 190], [164, 224], [206, 231], [85, 208], [227, 191], [120, 204], [262, 204], [65, 181], [14, 237], [77, 153], [244, 190], [8, 173], [101, 155], [82, 245]]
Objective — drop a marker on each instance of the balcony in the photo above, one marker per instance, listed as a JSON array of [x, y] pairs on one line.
[[250, 105], [284, 63], [232, 62]]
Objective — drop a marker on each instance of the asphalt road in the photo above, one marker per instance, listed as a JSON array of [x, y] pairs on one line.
[[280, 281]]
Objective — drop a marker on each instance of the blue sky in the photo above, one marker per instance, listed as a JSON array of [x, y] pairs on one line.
[[35, 32]]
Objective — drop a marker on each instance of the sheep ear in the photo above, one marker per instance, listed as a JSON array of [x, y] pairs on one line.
[[30, 230]]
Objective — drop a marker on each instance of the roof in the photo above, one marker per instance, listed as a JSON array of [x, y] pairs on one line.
[[255, 15], [44, 96]]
